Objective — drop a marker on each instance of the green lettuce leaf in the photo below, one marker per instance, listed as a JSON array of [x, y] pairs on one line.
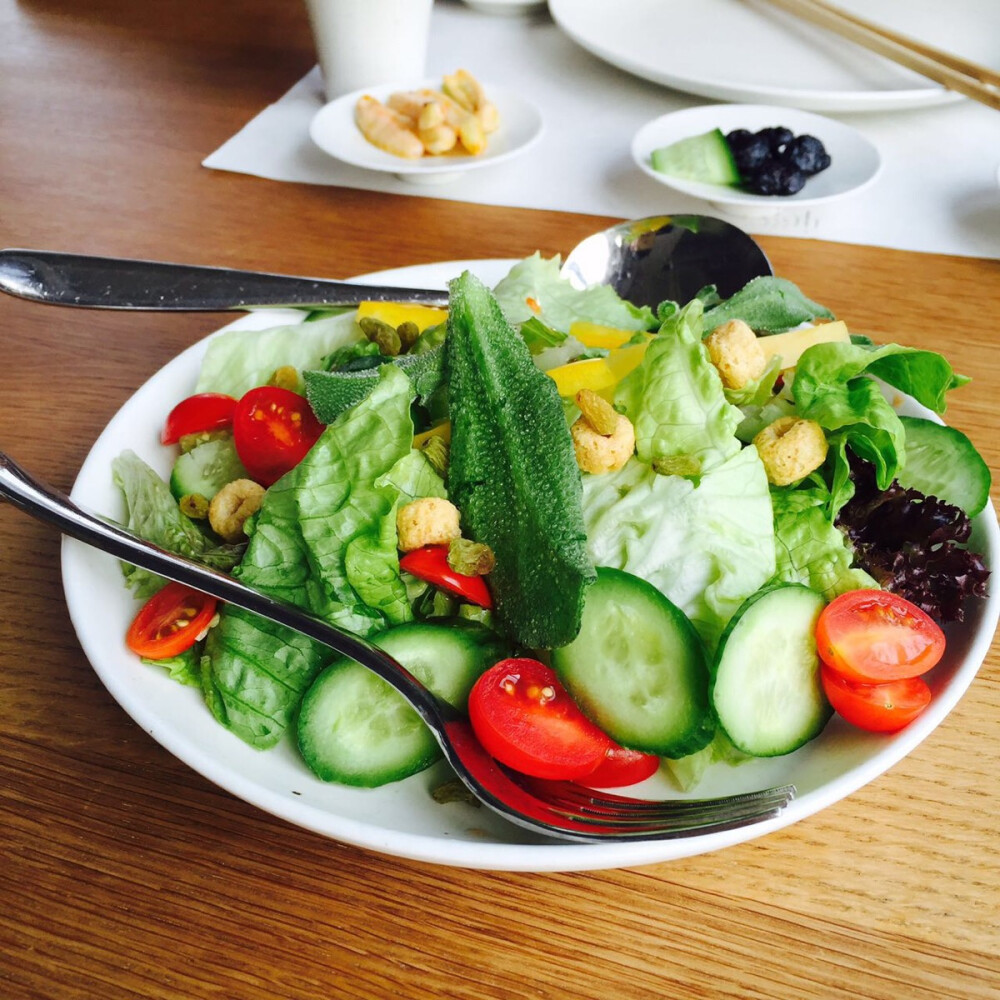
[[330, 393], [325, 540], [768, 305], [239, 360], [809, 549], [676, 400], [707, 547], [151, 512], [557, 304], [832, 386]]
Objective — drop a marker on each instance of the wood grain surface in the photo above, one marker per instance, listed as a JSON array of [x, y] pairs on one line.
[[125, 874]]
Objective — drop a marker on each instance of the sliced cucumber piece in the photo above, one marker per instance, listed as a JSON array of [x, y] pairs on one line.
[[766, 687], [942, 462], [706, 158], [206, 468], [355, 729], [638, 668]]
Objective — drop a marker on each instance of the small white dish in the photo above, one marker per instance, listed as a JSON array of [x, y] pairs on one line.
[[333, 129], [855, 161]]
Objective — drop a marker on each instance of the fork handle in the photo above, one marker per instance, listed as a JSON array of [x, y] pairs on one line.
[[46, 504], [116, 283]]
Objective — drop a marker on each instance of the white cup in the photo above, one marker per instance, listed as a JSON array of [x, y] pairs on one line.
[[362, 43]]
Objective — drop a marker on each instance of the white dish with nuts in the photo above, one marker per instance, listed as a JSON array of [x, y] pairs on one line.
[[335, 129]]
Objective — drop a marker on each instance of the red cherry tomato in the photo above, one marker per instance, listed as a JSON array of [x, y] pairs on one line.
[[431, 564], [524, 718], [622, 767], [879, 708], [170, 622], [273, 429], [207, 411], [872, 636]]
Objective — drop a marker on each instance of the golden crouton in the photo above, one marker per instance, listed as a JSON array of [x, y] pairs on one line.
[[596, 452], [427, 521], [736, 352], [232, 505], [790, 449]]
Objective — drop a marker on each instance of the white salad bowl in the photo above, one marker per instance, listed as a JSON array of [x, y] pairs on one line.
[[402, 819], [855, 161]]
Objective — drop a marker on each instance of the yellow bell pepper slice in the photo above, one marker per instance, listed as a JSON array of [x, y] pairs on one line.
[[594, 373], [596, 335], [395, 313], [442, 431], [625, 359]]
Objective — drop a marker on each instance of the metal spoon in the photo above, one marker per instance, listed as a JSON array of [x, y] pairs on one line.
[[646, 261]]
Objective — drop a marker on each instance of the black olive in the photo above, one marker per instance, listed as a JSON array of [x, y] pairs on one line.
[[806, 153], [749, 154], [776, 137], [776, 177]]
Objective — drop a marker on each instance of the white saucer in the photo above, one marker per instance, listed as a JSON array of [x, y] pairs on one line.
[[334, 131], [855, 160]]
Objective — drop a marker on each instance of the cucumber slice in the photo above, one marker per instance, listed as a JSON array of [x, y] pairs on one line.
[[206, 468], [638, 668], [766, 687], [706, 158], [942, 462], [355, 729]]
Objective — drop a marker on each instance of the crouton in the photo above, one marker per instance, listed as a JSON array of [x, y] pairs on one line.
[[790, 449], [736, 353], [596, 452], [427, 521], [232, 505]]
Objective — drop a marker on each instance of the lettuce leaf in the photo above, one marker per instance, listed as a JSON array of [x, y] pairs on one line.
[[809, 549], [151, 512], [239, 360], [534, 288], [324, 539], [676, 401], [832, 386], [707, 547]]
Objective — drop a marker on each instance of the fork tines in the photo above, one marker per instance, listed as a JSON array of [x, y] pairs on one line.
[[605, 809]]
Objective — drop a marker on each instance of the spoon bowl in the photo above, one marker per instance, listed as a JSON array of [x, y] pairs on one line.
[[645, 261]]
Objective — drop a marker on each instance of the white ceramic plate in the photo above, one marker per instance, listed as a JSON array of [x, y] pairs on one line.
[[334, 131], [735, 50], [401, 819], [855, 161]]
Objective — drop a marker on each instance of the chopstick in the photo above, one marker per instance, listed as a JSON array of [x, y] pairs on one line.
[[965, 77]]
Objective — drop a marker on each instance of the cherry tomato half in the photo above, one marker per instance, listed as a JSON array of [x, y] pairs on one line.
[[879, 708], [872, 636], [207, 411], [170, 622], [431, 564], [622, 767], [525, 718], [273, 429]]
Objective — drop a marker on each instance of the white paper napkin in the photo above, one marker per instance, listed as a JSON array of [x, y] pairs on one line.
[[938, 191]]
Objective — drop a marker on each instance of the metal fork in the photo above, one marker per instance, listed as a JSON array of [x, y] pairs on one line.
[[556, 808]]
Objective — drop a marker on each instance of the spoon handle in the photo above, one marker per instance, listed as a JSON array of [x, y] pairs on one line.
[[115, 283]]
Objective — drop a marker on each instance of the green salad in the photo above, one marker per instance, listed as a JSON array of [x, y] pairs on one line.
[[655, 506]]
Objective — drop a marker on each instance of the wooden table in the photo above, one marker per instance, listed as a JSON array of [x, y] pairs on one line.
[[125, 874]]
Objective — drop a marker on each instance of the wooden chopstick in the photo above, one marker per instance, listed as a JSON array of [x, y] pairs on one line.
[[978, 82]]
